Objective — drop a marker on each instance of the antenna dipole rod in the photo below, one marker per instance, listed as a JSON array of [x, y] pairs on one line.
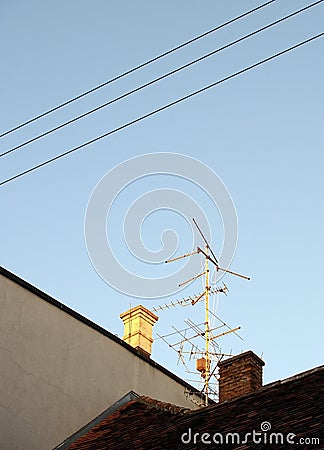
[[199, 250], [205, 240], [225, 332], [180, 257], [234, 273], [191, 279]]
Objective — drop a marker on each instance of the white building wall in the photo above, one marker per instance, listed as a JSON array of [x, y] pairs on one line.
[[57, 373]]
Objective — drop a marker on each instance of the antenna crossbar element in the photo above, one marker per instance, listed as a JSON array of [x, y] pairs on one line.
[[213, 383], [181, 355], [225, 324], [202, 333], [182, 256], [183, 302], [193, 299], [213, 372], [224, 289], [178, 352], [193, 302], [201, 352], [176, 332], [225, 332], [184, 338], [213, 291]]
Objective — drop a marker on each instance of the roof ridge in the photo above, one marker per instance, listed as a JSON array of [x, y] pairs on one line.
[[271, 385], [295, 377], [162, 406], [179, 410]]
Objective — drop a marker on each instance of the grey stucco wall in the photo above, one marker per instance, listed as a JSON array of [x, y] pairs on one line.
[[57, 373]]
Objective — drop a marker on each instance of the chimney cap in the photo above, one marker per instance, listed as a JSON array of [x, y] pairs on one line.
[[244, 355], [140, 310]]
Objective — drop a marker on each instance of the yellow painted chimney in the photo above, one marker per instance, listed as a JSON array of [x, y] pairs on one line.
[[138, 326]]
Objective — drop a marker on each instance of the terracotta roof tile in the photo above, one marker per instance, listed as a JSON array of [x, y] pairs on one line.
[[295, 405], [163, 406]]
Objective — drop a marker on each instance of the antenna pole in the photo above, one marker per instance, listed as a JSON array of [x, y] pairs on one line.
[[207, 287], [203, 364]]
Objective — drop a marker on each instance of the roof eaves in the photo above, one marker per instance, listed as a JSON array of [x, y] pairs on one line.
[[108, 412]]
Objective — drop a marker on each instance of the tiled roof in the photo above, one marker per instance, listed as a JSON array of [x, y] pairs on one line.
[[295, 405]]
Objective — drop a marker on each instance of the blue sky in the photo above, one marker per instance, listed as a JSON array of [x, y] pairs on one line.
[[261, 133]]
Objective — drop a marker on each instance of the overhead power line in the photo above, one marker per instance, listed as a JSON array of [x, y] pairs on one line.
[[169, 105], [134, 69], [185, 66]]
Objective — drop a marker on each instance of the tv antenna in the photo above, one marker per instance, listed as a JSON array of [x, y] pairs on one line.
[[209, 334]]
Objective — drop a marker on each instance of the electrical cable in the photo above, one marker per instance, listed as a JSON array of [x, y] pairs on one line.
[[159, 79], [140, 66], [169, 105]]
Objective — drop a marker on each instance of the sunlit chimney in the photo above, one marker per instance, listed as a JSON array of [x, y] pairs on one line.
[[138, 326]]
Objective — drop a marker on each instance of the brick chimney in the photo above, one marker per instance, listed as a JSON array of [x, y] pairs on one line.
[[239, 375], [138, 326]]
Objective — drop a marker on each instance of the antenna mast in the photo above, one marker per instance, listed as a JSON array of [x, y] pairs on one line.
[[207, 289], [203, 364]]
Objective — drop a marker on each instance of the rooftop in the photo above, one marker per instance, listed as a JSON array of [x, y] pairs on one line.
[[294, 405]]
